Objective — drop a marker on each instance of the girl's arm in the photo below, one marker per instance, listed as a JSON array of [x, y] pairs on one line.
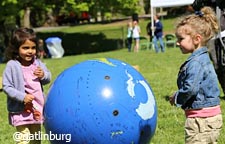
[[190, 84], [12, 82]]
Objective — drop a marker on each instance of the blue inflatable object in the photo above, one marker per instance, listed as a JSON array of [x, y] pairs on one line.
[[54, 45], [101, 101]]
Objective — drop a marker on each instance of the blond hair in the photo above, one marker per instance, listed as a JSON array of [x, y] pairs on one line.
[[203, 23], [129, 24]]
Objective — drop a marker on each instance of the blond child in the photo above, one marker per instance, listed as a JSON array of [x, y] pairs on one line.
[[198, 91]]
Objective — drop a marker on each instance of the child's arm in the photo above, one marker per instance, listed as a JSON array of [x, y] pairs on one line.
[[10, 79]]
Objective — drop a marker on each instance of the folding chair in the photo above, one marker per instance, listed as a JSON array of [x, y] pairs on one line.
[[145, 44], [170, 40]]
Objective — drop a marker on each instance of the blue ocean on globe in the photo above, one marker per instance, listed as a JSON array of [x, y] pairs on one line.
[[100, 101]]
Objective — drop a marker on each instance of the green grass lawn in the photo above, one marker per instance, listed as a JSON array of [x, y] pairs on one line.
[[160, 70]]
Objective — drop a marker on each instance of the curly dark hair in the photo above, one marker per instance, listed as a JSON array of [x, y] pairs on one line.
[[19, 36]]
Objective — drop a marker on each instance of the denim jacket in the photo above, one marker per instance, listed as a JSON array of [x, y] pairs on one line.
[[197, 82]]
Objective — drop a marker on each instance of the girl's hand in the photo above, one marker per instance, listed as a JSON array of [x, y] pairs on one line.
[[39, 72], [172, 99], [28, 99], [28, 107], [37, 115]]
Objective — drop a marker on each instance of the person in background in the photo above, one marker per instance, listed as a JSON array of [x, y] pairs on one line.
[[23, 80], [149, 30], [41, 53], [136, 35], [198, 91], [129, 36], [158, 34], [216, 45]]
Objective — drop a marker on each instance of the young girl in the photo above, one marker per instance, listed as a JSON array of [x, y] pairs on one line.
[[129, 35], [23, 78], [198, 92], [136, 35]]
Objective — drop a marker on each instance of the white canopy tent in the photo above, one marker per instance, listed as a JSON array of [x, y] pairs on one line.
[[170, 3], [167, 3]]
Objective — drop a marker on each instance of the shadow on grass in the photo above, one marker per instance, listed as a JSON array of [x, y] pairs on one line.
[[81, 43], [167, 98]]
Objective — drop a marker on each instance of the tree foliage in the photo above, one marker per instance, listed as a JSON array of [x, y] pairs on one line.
[[41, 8], [16, 13]]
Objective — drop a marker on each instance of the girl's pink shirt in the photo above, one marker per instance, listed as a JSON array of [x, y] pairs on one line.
[[204, 112], [33, 87]]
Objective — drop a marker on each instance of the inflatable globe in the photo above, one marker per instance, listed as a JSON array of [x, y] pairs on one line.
[[100, 101]]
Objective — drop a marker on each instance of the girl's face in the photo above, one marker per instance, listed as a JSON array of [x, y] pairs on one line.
[[27, 52], [188, 43], [185, 42]]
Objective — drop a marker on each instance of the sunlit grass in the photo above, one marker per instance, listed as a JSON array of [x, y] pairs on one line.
[[160, 70]]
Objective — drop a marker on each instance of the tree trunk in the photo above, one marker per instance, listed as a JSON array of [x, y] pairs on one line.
[[141, 3], [26, 18]]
